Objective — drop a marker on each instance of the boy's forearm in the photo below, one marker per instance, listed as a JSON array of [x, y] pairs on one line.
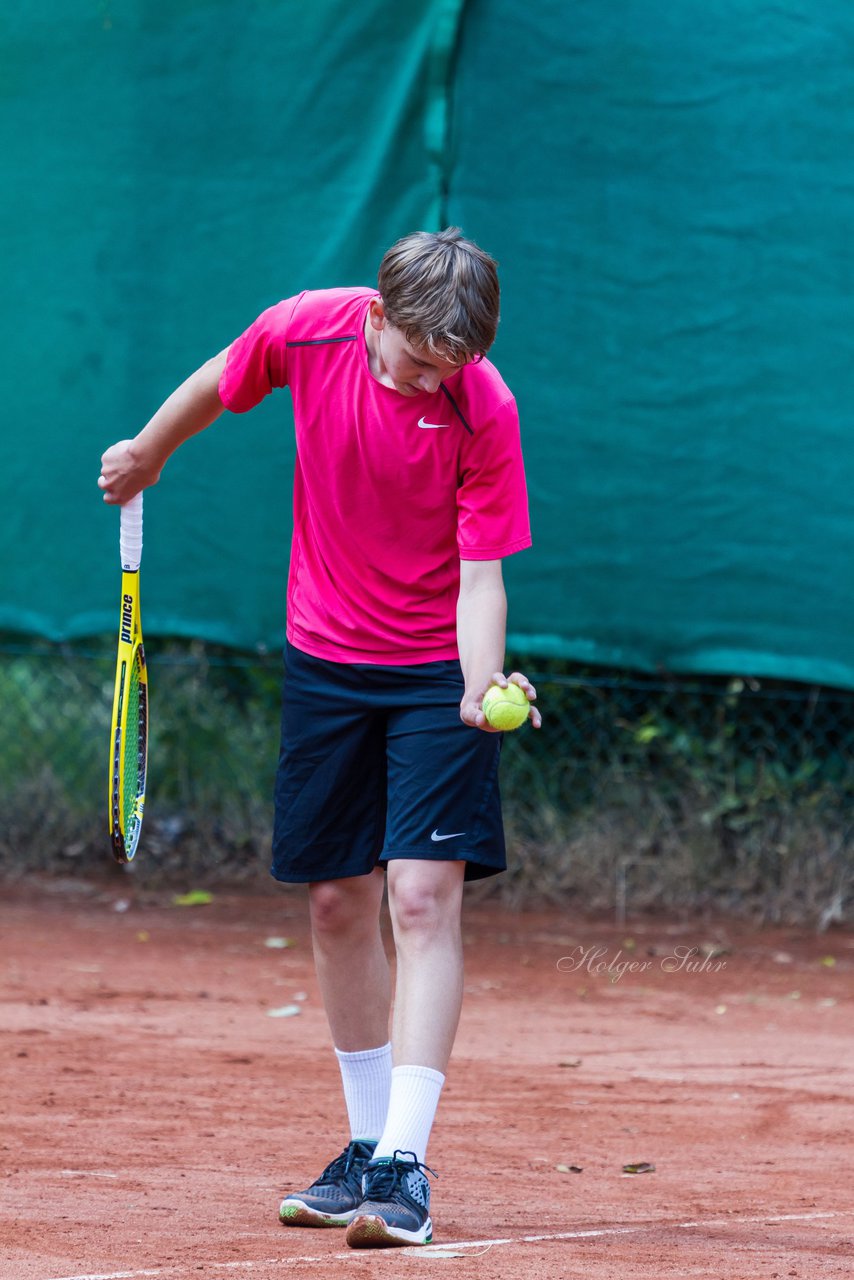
[[191, 408], [481, 638], [132, 465], [481, 635]]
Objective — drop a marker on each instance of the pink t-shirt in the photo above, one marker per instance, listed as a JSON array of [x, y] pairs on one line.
[[390, 491]]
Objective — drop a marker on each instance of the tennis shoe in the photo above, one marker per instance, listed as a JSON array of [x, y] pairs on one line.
[[395, 1208], [333, 1199]]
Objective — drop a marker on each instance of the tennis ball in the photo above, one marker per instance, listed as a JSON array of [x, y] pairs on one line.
[[506, 708]]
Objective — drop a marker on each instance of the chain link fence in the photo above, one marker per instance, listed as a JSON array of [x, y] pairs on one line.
[[639, 793]]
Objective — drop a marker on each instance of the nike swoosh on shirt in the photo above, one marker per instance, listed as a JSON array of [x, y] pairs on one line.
[[433, 426], [436, 837]]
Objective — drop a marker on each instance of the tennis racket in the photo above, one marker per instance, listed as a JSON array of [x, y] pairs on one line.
[[129, 737]]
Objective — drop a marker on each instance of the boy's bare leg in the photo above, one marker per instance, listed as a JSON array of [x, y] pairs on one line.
[[354, 978], [425, 900], [350, 959]]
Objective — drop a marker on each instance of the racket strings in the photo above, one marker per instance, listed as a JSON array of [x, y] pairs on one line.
[[133, 743]]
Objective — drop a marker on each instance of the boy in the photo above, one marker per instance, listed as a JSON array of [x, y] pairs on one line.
[[409, 490]]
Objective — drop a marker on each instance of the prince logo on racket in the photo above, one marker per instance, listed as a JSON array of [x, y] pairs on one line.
[[396, 627], [127, 618]]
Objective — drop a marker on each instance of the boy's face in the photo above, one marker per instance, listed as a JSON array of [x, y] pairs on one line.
[[409, 369]]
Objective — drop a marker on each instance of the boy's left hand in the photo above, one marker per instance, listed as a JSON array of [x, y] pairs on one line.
[[471, 708]]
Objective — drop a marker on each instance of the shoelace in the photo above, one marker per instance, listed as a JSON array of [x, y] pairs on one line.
[[341, 1165], [384, 1179]]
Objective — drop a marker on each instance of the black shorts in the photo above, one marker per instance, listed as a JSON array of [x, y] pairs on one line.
[[376, 764]]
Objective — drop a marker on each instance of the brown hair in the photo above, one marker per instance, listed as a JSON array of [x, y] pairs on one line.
[[442, 291]]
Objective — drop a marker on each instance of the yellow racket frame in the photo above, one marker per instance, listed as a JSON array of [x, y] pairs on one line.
[[125, 810]]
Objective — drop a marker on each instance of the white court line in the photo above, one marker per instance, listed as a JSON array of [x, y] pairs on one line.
[[451, 1245]]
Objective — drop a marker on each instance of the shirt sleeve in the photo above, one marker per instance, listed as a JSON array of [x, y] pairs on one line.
[[257, 360], [492, 497]]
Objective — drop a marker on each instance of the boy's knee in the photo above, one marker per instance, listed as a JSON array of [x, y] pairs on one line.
[[424, 901], [342, 906], [327, 906]]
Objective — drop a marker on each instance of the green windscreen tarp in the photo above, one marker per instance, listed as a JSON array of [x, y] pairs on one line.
[[670, 188], [667, 188]]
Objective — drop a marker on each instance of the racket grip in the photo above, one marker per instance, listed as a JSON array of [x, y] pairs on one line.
[[130, 535]]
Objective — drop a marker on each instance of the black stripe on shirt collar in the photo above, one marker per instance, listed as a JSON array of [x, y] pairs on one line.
[[319, 342], [456, 408]]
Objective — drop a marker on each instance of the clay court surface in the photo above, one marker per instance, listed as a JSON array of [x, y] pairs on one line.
[[154, 1110]]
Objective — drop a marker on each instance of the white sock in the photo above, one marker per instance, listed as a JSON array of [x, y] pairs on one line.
[[366, 1076], [411, 1111]]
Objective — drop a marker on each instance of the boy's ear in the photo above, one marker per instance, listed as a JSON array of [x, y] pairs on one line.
[[376, 312]]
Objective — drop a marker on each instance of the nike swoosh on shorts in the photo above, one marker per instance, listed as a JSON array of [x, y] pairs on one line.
[[435, 837]]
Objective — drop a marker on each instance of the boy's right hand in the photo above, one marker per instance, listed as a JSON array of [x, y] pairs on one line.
[[123, 473]]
